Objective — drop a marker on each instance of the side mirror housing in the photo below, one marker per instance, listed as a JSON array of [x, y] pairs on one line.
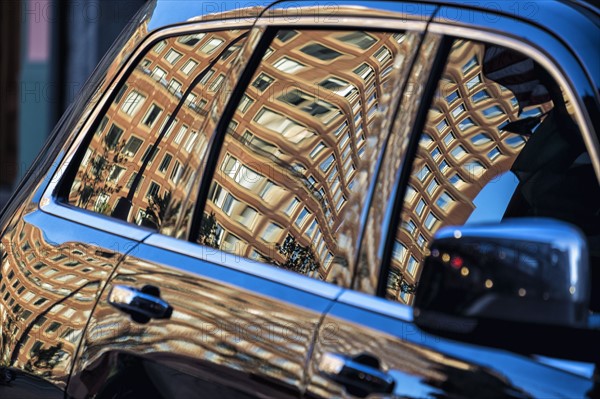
[[523, 270]]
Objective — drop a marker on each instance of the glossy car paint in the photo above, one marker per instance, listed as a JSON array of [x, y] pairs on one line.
[[231, 333], [426, 366], [50, 252]]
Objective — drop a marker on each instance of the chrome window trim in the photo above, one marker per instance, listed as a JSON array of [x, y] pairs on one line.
[[96, 221], [581, 116], [245, 265], [345, 22], [376, 304], [49, 203]]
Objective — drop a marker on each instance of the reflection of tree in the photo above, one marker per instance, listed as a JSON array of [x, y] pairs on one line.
[[407, 287], [45, 358], [402, 285], [8, 340], [157, 209], [207, 234], [99, 170], [299, 258], [38, 320]]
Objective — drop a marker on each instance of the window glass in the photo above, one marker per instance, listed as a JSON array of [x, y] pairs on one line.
[[294, 154], [515, 151], [136, 130]]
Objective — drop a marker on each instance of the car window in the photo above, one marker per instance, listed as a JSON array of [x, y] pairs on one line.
[[499, 142], [294, 156], [147, 145]]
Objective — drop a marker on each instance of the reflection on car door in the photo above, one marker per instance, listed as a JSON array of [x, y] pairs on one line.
[[370, 345], [239, 330], [53, 272]]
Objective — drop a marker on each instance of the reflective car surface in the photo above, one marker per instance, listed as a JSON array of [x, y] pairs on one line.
[[382, 199]]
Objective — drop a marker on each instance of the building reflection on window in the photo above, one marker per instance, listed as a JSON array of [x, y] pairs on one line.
[[461, 150], [145, 107], [289, 164]]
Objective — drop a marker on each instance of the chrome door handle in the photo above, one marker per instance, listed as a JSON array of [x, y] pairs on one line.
[[142, 305], [360, 375]]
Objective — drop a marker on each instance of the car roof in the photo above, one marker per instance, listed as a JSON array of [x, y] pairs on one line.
[[170, 12]]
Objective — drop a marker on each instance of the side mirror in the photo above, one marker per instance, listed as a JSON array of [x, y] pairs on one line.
[[531, 271]]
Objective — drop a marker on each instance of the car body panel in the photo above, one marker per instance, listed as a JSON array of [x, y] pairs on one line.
[[427, 366], [55, 271], [230, 331]]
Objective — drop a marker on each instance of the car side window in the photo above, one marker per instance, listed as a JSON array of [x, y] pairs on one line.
[[149, 142], [292, 158], [499, 142]]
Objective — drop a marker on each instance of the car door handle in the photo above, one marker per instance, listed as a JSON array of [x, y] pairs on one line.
[[142, 305], [360, 375]]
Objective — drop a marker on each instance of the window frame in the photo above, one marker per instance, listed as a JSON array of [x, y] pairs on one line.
[[56, 191], [49, 202]]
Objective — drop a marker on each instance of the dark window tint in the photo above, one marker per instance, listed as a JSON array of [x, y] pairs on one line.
[[285, 35], [113, 136], [320, 51]]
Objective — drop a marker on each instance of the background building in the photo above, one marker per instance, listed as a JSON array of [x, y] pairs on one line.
[[48, 49]]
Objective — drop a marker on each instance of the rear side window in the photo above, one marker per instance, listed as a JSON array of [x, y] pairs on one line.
[[499, 142], [297, 151], [148, 144]]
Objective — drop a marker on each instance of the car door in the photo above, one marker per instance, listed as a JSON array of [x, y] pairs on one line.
[[464, 164], [132, 169], [226, 300]]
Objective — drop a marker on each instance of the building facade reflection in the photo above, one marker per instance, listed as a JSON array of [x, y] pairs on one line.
[[152, 127], [296, 143], [462, 149], [216, 326], [48, 292]]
